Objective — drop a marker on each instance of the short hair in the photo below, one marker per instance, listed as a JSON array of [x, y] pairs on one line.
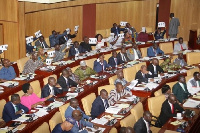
[[118, 83], [114, 24], [103, 91], [101, 54], [171, 14], [165, 88], [25, 87], [14, 97], [53, 31], [181, 76], [56, 45], [195, 73], [76, 42], [180, 38], [122, 130], [72, 100], [98, 35]]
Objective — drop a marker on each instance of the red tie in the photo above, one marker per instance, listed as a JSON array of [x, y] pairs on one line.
[[181, 47], [172, 108]]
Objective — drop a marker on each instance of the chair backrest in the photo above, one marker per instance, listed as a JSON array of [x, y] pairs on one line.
[[158, 93], [113, 130], [112, 79], [129, 73], [87, 103], [155, 104], [174, 57], [74, 68], [138, 66], [128, 121], [166, 47], [36, 87], [44, 128], [2, 103], [137, 111], [47, 41], [21, 62], [62, 110], [108, 88], [191, 71], [187, 78], [107, 56], [193, 58], [20, 93], [171, 84], [90, 62], [45, 80], [144, 51], [149, 30], [55, 120]]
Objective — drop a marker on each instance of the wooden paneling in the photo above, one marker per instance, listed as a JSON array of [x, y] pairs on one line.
[[1, 34], [188, 12]]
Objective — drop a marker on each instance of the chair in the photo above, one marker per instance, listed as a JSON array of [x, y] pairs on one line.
[[137, 111], [62, 110], [158, 93], [149, 30], [20, 93], [187, 78], [107, 32], [108, 88], [47, 41], [191, 71], [74, 68], [166, 47], [129, 121], [87, 102], [144, 52], [44, 128], [193, 58], [36, 87], [112, 79], [155, 104], [21, 62], [171, 84], [45, 80], [55, 120], [113, 130], [90, 62], [138, 66], [129, 73], [107, 56], [2, 103]]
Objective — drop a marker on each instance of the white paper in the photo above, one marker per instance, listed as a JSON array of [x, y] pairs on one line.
[[41, 113], [48, 61], [51, 54], [29, 39], [72, 94], [133, 84], [8, 83], [101, 121], [22, 118], [161, 24], [55, 104], [151, 85], [139, 88], [4, 47], [68, 30], [122, 23], [113, 110], [92, 41], [121, 35], [76, 28], [191, 103], [38, 34]]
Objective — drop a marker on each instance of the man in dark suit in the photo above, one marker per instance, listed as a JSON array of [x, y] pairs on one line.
[[113, 61], [116, 29], [143, 124], [180, 89], [41, 43], [65, 82], [169, 109], [122, 56], [13, 109], [85, 44], [154, 68], [76, 49], [142, 75], [52, 88], [154, 51], [66, 37], [100, 104], [100, 64]]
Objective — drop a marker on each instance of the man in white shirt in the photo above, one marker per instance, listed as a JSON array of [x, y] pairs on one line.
[[193, 84], [180, 46]]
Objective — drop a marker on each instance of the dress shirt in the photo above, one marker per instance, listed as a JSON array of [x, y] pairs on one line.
[[182, 86], [115, 59], [77, 52], [7, 73], [14, 106], [51, 90]]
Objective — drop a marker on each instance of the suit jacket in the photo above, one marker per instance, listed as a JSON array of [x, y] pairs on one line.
[[82, 123], [116, 30], [119, 57], [158, 69], [179, 92], [72, 51], [112, 63], [98, 107], [98, 67], [180, 62], [166, 112], [86, 47], [173, 26], [141, 78], [150, 52], [9, 111], [69, 111], [65, 86], [140, 126], [39, 44], [131, 56], [46, 92]]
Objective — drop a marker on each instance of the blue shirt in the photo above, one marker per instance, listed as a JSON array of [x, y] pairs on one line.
[[7, 73], [58, 129]]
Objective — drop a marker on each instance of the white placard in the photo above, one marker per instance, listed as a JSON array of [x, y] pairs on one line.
[[112, 35], [68, 30], [76, 28], [29, 39], [48, 61], [69, 42], [51, 53], [121, 35], [122, 23], [161, 24], [92, 40], [38, 34], [4, 47]]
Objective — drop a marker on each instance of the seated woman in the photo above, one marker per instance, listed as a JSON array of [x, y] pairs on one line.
[[30, 99], [41, 55], [101, 41], [127, 38], [166, 90]]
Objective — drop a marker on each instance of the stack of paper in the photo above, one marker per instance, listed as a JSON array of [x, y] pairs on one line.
[[113, 110], [23, 118], [151, 85], [139, 88], [101, 121], [41, 113], [8, 83], [191, 103], [175, 123], [55, 104], [133, 84], [72, 94]]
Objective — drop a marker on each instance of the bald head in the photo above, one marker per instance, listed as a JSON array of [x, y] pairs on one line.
[[65, 73], [147, 116], [77, 115], [52, 81], [172, 98], [74, 103]]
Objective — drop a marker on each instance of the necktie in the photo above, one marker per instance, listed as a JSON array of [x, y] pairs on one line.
[[155, 72], [115, 61], [181, 47], [105, 103], [16, 108], [172, 108], [79, 125], [124, 58]]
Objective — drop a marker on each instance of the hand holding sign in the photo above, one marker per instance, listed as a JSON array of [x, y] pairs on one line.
[[38, 34], [92, 41], [161, 24], [68, 30], [121, 35], [3, 47], [51, 54], [76, 28], [29, 39], [122, 23]]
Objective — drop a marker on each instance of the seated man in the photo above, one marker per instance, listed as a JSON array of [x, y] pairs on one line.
[[84, 71], [74, 105], [122, 56], [121, 79], [154, 51], [100, 64], [143, 124], [180, 46], [143, 36], [13, 109], [85, 44], [59, 53], [180, 60], [158, 34], [168, 110], [65, 82], [41, 43], [54, 38], [29, 46], [67, 125], [180, 89], [51, 89], [193, 84], [113, 61], [32, 64], [75, 50], [100, 104], [116, 29], [7, 72], [142, 75], [166, 90], [73, 76], [134, 53], [118, 93], [155, 69]]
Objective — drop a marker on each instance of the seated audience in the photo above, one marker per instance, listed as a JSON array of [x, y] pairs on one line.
[[75, 50], [155, 69], [193, 85], [158, 34], [73, 76], [180, 60], [180, 89], [127, 38], [166, 90], [32, 64], [143, 124], [134, 53], [121, 79], [29, 46], [118, 93], [122, 56], [100, 104], [85, 44], [113, 61], [51, 88], [84, 71], [30, 99], [41, 55], [54, 38], [169, 109], [59, 53], [100, 64], [41, 43], [143, 36], [7, 72], [116, 29], [67, 125], [115, 41], [180, 46], [101, 41], [13, 109], [142, 75], [154, 50]]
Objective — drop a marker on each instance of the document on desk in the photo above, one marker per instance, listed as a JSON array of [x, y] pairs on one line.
[[151, 85], [99, 130], [41, 113], [133, 84], [101, 121], [113, 110], [8, 83], [139, 88], [23, 118], [191, 103], [55, 104], [122, 105]]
